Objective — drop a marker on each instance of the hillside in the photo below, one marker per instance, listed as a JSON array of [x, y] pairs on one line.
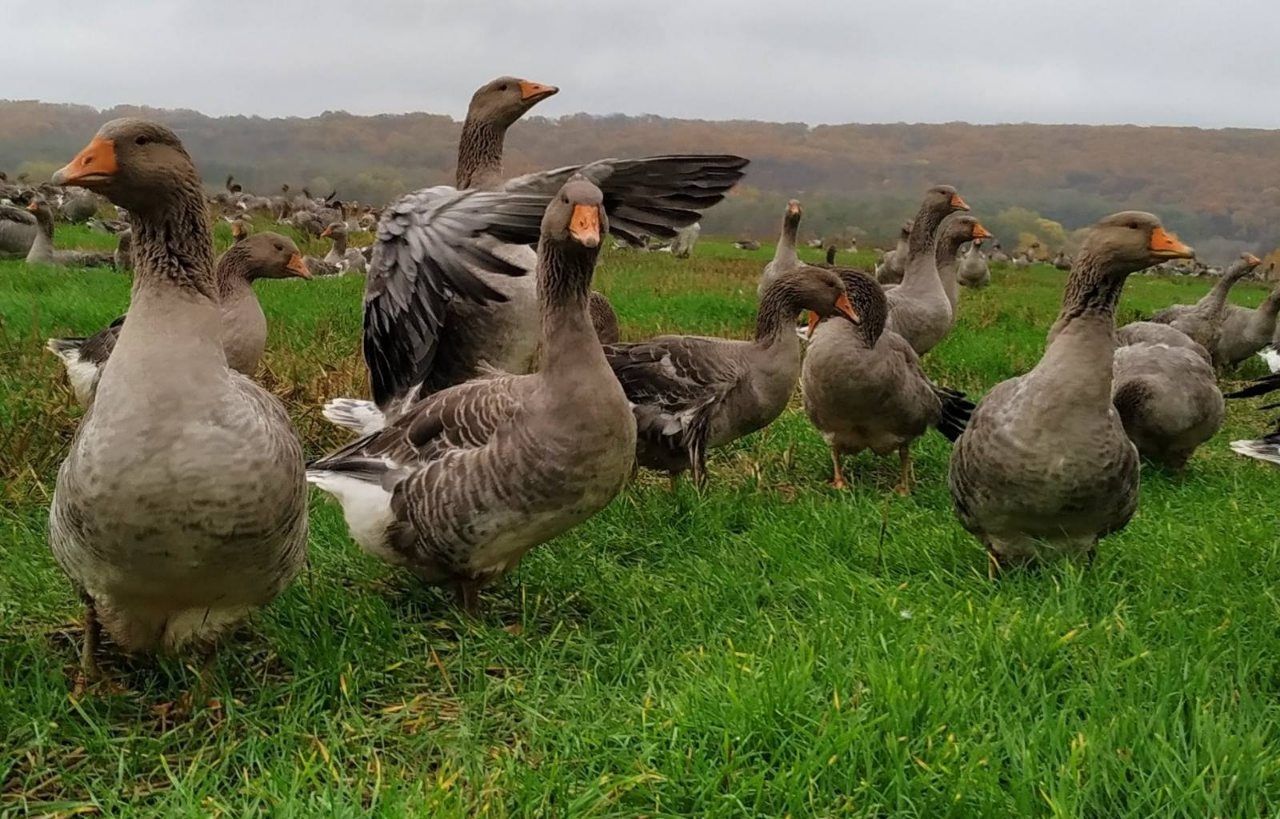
[[1221, 189]]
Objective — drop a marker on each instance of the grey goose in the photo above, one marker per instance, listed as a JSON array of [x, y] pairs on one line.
[[464, 483], [182, 503], [1045, 466]]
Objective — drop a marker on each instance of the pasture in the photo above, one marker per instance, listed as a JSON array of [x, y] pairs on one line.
[[769, 647]]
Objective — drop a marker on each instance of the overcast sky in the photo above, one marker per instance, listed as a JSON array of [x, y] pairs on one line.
[[1209, 63]]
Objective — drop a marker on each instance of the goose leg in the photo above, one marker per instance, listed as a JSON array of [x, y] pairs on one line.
[[468, 595], [89, 671], [904, 480], [993, 563], [837, 479]]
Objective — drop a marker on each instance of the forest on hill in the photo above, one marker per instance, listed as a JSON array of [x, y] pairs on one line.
[[1219, 188]]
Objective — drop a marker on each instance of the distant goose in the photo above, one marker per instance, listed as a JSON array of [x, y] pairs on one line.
[[244, 326], [785, 258], [18, 229], [747, 244], [347, 259], [972, 269], [894, 262], [43, 252]]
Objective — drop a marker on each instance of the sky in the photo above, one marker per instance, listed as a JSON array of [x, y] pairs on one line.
[[1205, 63]]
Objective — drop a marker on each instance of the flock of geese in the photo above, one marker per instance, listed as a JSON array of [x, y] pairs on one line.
[[504, 414]]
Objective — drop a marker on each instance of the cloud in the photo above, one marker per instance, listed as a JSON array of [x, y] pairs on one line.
[[1089, 61]]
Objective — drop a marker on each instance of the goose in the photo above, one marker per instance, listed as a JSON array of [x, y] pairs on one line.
[[603, 318], [1203, 321], [1245, 331], [42, 251], [459, 487], [891, 267], [863, 386], [784, 258], [348, 259], [244, 326], [692, 394], [1165, 392], [831, 255], [78, 207], [241, 229], [972, 269], [747, 244], [1044, 465], [922, 308], [18, 229], [444, 303], [182, 504], [1062, 261]]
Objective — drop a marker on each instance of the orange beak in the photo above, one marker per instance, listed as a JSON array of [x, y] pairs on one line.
[[298, 267], [846, 308], [327, 232], [813, 322], [536, 91], [584, 225], [32, 206], [93, 166], [1252, 259], [979, 232], [1165, 245], [793, 207], [958, 203]]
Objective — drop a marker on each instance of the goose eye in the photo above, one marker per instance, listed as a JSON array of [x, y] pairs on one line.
[[142, 140], [502, 87]]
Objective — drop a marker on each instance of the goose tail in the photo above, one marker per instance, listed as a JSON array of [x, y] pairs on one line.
[[956, 411], [355, 414]]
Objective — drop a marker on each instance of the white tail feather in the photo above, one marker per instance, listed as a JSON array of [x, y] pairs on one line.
[[352, 413]]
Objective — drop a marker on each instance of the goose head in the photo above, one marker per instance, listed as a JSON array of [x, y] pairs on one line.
[[506, 99], [956, 231], [136, 163], [815, 289], [1131, 240], [334, 230], [272, 256], [1241, 267], [868, 302]]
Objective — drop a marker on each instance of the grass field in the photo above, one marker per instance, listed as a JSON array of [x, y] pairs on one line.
[[772, 647]]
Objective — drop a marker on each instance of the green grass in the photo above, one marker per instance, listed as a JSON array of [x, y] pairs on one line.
[[770, 648]]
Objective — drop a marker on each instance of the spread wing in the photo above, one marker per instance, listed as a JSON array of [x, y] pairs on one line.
[[432, 244], [656, 195]]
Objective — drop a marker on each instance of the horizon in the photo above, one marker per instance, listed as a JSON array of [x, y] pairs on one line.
[[991, 62], [534, 115]]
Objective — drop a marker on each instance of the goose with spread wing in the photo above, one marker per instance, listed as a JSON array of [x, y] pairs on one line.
[[446, 300]]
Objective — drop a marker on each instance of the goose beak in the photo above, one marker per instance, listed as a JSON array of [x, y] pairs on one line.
[[584, 225], [793, 208], [326, 233], [979, 232], [846, 308], [958, 203], [1167, 246], [298, 267], [813, 323], [535, 91], [32, 206], [1252, 259], [93, 166]]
